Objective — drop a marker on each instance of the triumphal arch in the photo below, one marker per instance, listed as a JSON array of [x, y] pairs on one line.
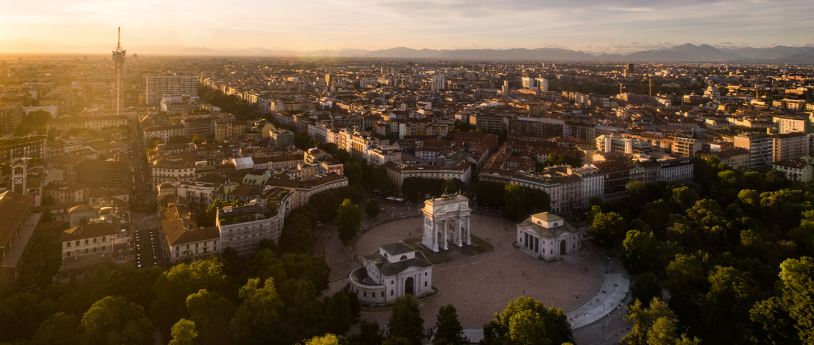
[[446, 219]]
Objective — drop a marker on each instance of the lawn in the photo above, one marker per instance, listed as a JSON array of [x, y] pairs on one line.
[[478, 247]]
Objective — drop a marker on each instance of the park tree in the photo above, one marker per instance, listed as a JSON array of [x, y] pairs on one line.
[[353, 171], [198, 139], [646, 287], [514, 198], [326, 204], [59, 328], [448, 327], [348, 219], [372, 209], [112, 320], [306, 312], [174, 285], [776, 181], [795, 300], [489, 193], [326, 339], [209, 215], [608, 227], [449, 186], [754, 180], [296, 234], [683, 198], [211, 314], [405, 320], [773, 323], [653, 325], [526, 321], [397, 341], [338, 313], [183, 332], [369, 334], [254, 321], [726, 306], [686, 275], [20, 314], [640, 252]]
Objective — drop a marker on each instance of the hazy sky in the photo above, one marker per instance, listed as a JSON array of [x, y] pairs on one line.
[[593, 25]]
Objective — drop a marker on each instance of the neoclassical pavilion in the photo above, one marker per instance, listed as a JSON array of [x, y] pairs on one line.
[[446, 220], [547, 236]]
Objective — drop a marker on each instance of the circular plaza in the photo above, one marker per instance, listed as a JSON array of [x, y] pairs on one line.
[[481, 285]]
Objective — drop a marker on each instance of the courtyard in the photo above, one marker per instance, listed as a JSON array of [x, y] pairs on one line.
[[478, 286]]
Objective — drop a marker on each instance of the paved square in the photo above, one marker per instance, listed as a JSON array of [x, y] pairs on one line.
[[482, 285]]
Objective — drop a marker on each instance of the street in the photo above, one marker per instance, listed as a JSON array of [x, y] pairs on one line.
[[146, 242]]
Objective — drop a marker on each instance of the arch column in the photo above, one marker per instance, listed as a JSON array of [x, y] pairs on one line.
[[468, 239], [458, 232], [446, 231], [435, 235]]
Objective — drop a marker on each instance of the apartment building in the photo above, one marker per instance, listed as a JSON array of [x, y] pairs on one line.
[[184, 239], [10, 118], [163, 86], [242, 228], [398, 172], [789, 146], [163, 132], [686, 147], [760, 149], [738, 158]]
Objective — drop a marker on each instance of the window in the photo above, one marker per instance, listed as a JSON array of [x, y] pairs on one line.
[[68, 244], [391, 292], [364, 294], [103, 247], [382, 294], [425, 284], [86, 250], [94, 240], [77, 243], [425, 274], [67, 253]]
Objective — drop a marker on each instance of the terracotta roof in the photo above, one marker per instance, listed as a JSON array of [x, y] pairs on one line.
[[14, 208], [88, 231]]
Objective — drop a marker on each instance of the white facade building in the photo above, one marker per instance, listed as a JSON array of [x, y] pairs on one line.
[[393, 271], [547, 236]]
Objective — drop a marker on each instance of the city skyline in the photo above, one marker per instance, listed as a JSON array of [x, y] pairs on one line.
[[618, 27]]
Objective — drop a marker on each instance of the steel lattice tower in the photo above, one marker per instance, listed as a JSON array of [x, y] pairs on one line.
[[118, 59]]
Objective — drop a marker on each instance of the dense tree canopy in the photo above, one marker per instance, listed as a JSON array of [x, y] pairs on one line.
[[405, 320], [348, 219], [526, 321]]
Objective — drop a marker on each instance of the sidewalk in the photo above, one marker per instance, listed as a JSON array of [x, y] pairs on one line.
[[611, 296]]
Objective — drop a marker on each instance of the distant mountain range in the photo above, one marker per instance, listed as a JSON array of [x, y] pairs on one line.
[[681, 53]]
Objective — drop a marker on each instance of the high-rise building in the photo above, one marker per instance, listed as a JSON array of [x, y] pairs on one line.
[[438, 82], [788, 146], [161, 86], [542, 83], [759, 146], [10, 118]]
